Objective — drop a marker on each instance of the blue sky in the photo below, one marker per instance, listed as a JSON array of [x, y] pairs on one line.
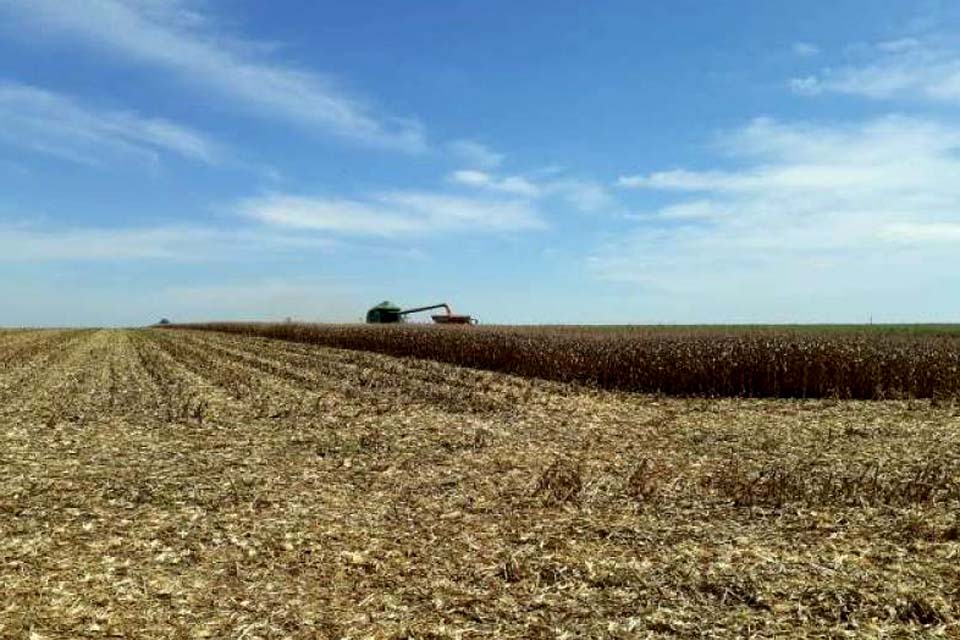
[[612, 162]]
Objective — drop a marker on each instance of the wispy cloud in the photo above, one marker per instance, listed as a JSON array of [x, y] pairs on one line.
[[903, 68], [581, 194], [170, 35], [395, 213], [57, 125], [814, 205], [585, 195], [475, 155], [899, 45], [516, 185], [805, 49], [20, 243]]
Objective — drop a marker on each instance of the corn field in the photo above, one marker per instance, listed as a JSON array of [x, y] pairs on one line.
[[709, 362], [201, 484]]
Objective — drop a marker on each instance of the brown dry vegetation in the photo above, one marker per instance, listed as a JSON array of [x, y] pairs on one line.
[[163, 484], [708, 361]]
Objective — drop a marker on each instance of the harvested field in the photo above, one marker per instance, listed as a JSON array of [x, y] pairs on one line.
[[188, 484], [771, 362]]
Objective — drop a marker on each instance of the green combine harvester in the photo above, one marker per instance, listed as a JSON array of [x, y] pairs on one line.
[[388, 313]]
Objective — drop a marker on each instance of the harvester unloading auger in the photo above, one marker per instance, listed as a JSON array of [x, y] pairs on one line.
[[388, 313]]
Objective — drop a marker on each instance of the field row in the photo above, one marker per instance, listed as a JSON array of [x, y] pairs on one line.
[[706, 362], [192, 484]]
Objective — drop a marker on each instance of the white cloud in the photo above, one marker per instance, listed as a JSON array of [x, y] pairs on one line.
[[805, 86], [471, 178], [890, 154], [927, 233], [31, 245], [806, 210], [475, 154], [689, 210], [395, 213], [515, 185], [903, 68], [57, 125], [167, 34], [899, 45], [22, 243], [582, 194], [805, 49]]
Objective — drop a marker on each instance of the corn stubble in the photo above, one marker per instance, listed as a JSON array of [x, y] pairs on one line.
[[189, 484], [708, 362]]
